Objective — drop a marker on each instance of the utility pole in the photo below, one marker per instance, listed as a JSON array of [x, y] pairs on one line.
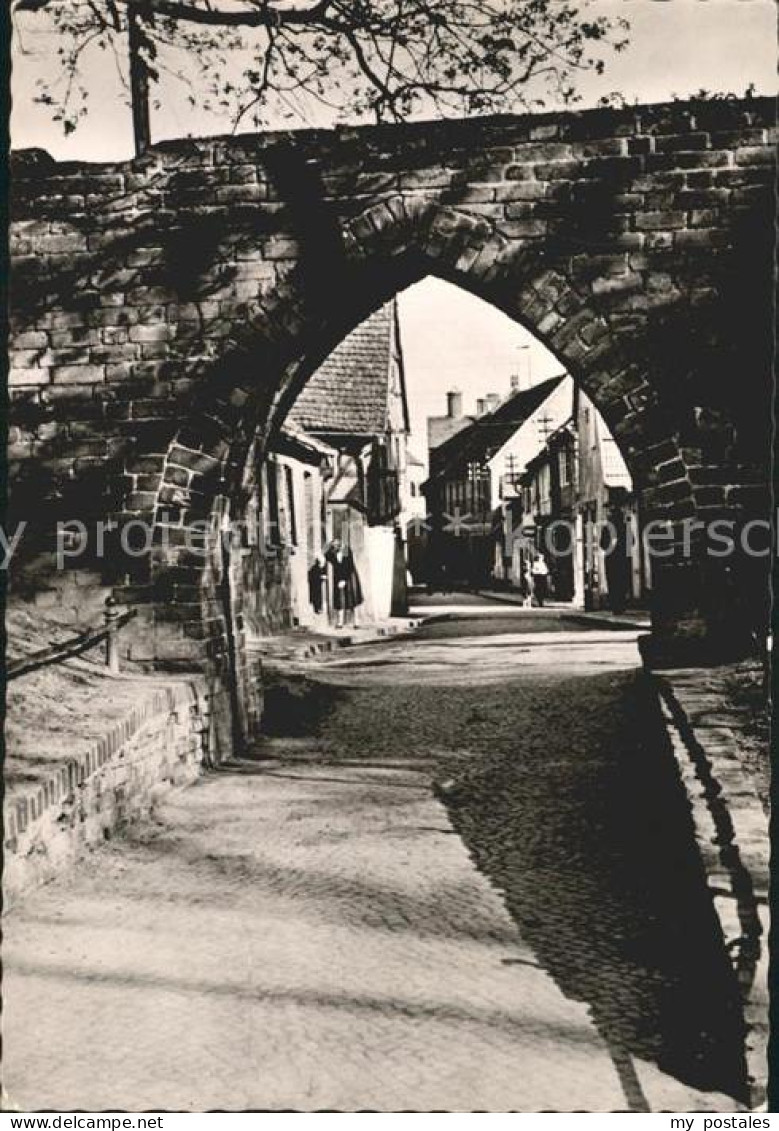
[[543, 425]]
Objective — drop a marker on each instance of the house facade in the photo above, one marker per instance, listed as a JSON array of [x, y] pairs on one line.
[[474, 476], [547, 515], [414, 519], [284, 532], [578, 507], [540, 473], [356, 406], [616, 567]]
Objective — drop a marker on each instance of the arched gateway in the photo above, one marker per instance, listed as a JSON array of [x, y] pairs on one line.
[[166, 311]]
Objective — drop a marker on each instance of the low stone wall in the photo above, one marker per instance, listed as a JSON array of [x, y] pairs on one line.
[[160, 744], [731, 829]]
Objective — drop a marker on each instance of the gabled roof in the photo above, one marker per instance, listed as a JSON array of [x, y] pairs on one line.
[[350, 392], [479, 442]]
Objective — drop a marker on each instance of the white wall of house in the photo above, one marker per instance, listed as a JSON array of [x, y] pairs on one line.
[[301, 521], [413, 502], [380, 558], [601, 469]]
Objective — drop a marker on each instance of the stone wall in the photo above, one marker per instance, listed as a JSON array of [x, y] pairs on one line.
[[162, 743], [164, 310]]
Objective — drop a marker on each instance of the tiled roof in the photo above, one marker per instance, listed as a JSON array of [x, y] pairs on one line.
[[479, 442], [350, 390]]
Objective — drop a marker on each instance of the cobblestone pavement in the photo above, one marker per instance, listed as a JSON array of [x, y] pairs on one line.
[[317, 930]]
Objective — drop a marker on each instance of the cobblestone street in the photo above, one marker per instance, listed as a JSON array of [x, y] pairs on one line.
[[457, 875]]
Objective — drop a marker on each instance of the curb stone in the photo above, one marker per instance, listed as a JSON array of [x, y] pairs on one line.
[[731, 830], [309, 647], [576, 615]]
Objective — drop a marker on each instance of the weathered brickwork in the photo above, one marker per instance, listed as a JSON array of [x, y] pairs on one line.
[[165, 309], [162, 743]]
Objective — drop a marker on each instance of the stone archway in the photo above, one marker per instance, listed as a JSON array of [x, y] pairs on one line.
[[166, 310], [388, 247]]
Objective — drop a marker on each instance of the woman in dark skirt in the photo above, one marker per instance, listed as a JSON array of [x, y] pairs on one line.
[[347, 591]]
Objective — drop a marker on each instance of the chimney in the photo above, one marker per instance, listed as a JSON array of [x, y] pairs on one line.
[[454, 404], [493, 400], [481, 406], [524, 378]]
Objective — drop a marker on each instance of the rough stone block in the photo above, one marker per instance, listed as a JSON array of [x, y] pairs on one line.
[[517, 172], [756, 155], [688, 141], [555, 171], [520, 191], [660, 221], [658, 162], [78, 374], [533, 152]]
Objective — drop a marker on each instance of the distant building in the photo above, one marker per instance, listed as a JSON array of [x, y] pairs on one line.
[[414, 518], [548, 512], [474, 471], [536, 473], [577, 506], [442, 428], [414, 505]]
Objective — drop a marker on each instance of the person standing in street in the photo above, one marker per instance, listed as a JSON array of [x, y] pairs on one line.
[[527, 584], [346, 588], [317, 584], [540, 572], [614, 544]]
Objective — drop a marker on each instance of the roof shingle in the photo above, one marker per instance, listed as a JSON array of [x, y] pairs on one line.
[[350, 390]]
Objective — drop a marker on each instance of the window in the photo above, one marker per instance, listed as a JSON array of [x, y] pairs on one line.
[[273, 528], [309, 519], [564, 466], [292, 529]]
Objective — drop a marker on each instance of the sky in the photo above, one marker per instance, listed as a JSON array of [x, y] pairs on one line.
[[676, 47], [450, 339]]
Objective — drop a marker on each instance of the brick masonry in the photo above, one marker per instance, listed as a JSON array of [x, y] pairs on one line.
[[162, 743], [731, 828], [165, 310], [175, 731]]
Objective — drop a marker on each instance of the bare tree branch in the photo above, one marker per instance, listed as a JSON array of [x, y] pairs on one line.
[[387, 59], [264, 15]]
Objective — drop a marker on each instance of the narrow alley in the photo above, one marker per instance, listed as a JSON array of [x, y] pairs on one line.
[[458, 874]]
